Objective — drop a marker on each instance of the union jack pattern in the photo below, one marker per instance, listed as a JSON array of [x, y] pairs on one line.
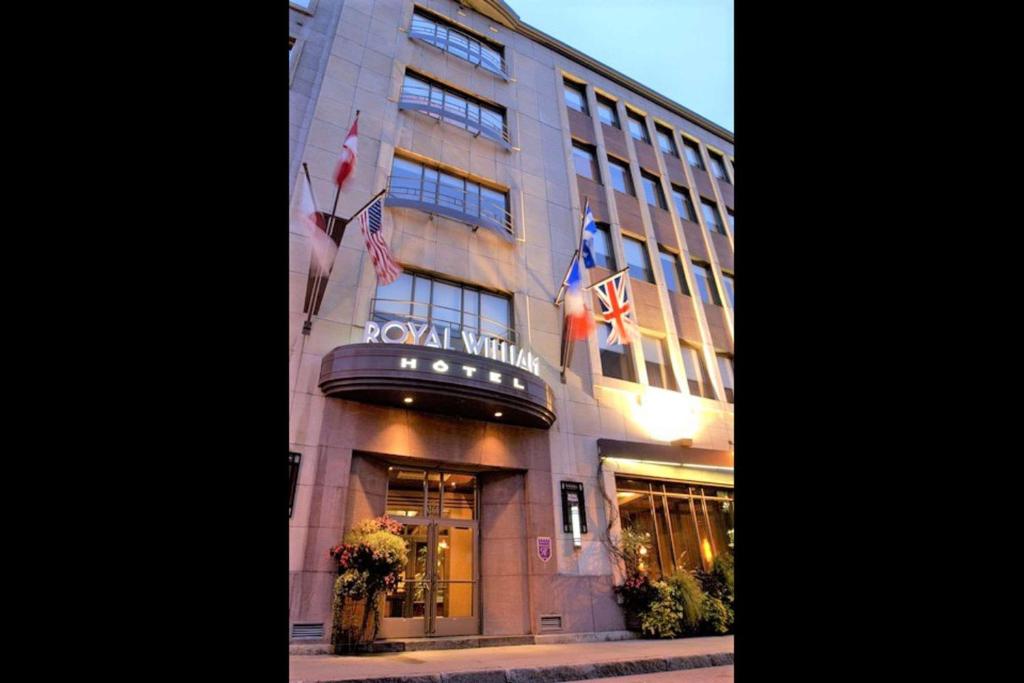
[[370, 223], [617, 308]]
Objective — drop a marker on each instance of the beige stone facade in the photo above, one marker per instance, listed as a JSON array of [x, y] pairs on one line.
[[345, 445]]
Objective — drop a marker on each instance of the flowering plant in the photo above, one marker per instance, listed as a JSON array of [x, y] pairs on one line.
[[370, 560]]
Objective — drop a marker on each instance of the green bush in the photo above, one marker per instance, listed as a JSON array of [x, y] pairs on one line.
[[715, 617], [677, 609]]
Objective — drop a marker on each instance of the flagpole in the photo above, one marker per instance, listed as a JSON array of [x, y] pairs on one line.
[[308, 324], [349, 220]]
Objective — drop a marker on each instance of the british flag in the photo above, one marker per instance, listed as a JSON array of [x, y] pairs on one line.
[[617, 307], [370, 223]]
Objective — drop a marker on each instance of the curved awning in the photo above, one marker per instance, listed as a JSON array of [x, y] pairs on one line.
[[440, 381]]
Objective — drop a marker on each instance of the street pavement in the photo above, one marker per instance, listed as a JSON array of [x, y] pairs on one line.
[[335, 668], [711, 674]]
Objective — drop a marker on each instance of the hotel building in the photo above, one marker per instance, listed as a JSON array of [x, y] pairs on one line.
[[438, 399]]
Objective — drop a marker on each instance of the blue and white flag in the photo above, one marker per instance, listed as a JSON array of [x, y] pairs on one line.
[[589, 230]]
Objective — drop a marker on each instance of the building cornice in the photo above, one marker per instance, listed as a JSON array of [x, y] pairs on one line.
[[500, 11]]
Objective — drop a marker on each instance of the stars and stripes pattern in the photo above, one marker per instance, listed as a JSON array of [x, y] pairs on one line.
[[370, 224], [617, 308]]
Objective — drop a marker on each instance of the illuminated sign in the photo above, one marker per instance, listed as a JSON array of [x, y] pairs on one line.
[[574, 511], [443, 368], [404, 332]]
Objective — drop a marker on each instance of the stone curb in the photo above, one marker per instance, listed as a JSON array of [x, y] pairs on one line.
[[556, 674]]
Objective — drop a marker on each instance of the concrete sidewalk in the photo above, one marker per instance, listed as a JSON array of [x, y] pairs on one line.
[[522, 663]]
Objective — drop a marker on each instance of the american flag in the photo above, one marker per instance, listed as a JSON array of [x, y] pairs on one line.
[[370, 223], [617, 307]]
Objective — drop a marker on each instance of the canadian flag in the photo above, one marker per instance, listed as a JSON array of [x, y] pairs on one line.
[[323, 247], [347, 162]]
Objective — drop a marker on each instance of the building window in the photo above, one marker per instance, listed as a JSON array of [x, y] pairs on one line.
[[692, 152], [705, 282], [293, 479], [718, 167], [711, 216], [436, 32], [430, 189], [684, 206], [575, 97], [584, 160], [688, 525], [666, 141], [732, 221], [456, 108], [620, 177], [430, 493], [725, 370], [696, 373], [729, 286], [607, 113], [616, 360], [656, 359], [294, 52], [420, 298], [637, 259], [604, 256], [652, 190], [637, 127], [673, 270], [304, 6]]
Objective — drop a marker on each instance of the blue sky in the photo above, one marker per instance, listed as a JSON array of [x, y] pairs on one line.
[[680, 48]]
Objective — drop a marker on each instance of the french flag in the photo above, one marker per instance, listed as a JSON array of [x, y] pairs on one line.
[[578, 318]]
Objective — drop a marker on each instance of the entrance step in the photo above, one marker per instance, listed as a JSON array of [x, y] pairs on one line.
[[448, 643], [461, 642]]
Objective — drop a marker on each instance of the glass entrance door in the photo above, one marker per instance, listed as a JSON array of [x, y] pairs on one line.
[[438, 592]]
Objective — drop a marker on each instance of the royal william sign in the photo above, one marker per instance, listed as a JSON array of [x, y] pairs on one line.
[[423, 334]]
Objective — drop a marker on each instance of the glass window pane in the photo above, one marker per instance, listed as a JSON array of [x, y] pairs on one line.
[[603, 254], [616, 360], [728, 284], [656, 361], [725, 370], [711, 217], [405, 492], [635, 515], [732, 221], [718, 168], [494, 315], [705, 284], [638, 129], [668, 146], [683, 205], [494, 205], [636, 258], [652, 190], [459, 497], [406, 599], [684, 534], [421, 296], [693, 154], [458, 45], [668, 269], [392, 301], [452, 192], [606, 113], [583, 161], [620, 177], [575, 99], [447, 305]]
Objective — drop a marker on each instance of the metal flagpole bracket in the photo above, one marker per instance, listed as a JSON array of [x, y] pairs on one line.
[[307, 325]]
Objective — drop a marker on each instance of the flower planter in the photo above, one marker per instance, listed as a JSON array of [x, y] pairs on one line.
[[356, 627]]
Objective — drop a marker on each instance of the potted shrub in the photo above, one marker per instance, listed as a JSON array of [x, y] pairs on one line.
[[370, 560]]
